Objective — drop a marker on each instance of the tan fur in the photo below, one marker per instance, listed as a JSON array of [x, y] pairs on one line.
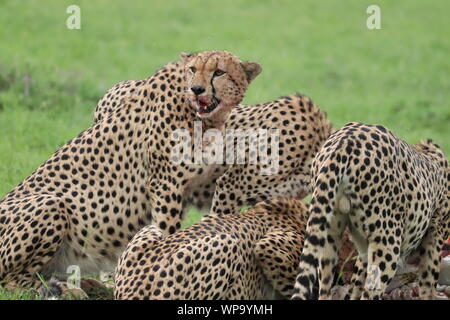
[[393, 199], [90, 198], [251, 255], [303, 129]]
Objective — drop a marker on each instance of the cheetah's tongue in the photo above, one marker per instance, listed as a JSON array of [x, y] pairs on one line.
[[206, 105], [203, 105]]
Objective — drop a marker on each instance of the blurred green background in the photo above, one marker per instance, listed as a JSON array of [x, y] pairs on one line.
[[51, 77]]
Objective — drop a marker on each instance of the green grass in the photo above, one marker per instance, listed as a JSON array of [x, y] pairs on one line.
[[18, 295], [397, 76]]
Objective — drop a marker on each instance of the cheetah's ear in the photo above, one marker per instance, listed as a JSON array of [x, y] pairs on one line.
[[252, 69], [185, 57]]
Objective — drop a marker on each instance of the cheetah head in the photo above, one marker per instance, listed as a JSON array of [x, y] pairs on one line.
[[429, 147], [216, 81]]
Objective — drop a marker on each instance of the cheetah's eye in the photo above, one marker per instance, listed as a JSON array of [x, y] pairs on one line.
[[193, 69], [218, 73]]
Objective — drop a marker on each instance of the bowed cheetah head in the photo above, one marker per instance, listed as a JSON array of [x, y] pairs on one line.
[[429, 147]]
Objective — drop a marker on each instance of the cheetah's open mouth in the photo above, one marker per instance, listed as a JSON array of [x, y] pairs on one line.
[[206, 106]]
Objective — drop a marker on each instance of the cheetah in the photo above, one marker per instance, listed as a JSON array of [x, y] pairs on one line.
[[393, 199], [303, 128], [88, 200], [250, 255]]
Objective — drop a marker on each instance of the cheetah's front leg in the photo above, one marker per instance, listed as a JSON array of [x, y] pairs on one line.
[[227, 199], [167, 208], [33, 231]]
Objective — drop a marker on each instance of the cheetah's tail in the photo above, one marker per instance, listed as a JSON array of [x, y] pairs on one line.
[[318, 253]]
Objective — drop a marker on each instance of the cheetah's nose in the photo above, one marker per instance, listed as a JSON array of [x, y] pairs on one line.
[[197, 90]]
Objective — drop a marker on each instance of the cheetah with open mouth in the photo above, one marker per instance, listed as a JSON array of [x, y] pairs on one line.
[[89, 199]]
